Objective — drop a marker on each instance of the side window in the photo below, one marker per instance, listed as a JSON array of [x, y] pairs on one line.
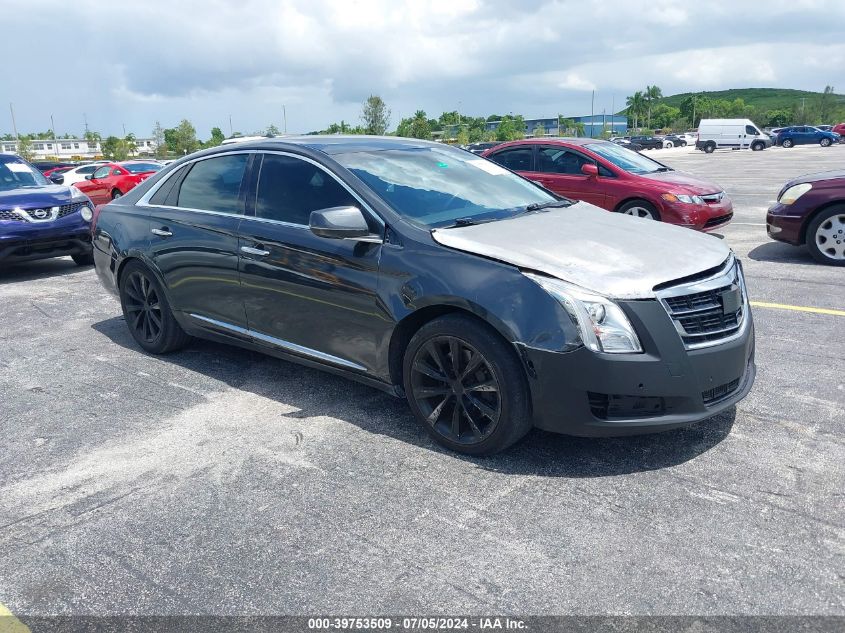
[[557, 160], [86, 170], [289, 189], [116, 172], [214, 184], [517, 159], [162, 195], [102, 172], [750, 129]]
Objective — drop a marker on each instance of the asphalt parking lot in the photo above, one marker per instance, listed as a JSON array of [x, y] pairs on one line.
[[220, 481]]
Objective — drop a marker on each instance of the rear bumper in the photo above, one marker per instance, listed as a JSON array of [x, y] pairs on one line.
[[588, 394]]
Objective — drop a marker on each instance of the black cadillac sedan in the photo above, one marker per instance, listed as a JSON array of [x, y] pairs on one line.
[[489, 303]]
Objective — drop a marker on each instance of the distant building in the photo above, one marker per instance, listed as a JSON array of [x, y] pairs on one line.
[[72, 148]]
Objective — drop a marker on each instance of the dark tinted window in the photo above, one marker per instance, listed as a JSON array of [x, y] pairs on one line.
[[519, 159], [163, 192], [289, 189], [750, 129], [557, 160], [214, 184], [140, 168]]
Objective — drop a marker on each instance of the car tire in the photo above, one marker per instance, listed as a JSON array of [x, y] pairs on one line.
[[826, 236], [683, 143], [787, 143], [825, 142], [83, 259], [757, 147], [466, 386], [147, 311], [709, 147], [668, 145], [116, 194], [639, 209]]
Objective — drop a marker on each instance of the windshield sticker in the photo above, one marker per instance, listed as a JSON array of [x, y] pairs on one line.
[[21, 168], [443, 165], [490, 168]]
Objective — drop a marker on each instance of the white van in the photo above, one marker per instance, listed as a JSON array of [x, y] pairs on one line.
[[730, 133]]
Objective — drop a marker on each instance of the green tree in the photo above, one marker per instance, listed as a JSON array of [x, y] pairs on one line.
[[539, 130], [511, 128], [158, 141], [652, 94], [420, 127], [185, 138], [375, 115], [463, 136], [824, 106], [636, 105], [272, 130], [170, 139], [25, 150], [663, 115], [111, 148]]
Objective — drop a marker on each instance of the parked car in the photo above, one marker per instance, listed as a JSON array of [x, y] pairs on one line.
[[617, 179], [839, 129], [55, 170], [480, 148], [627, 144], [113, 180], [78, 174], [674, 140], [648, 142], [46, 165], [38, 219], [825, 128], [806, 135], [811, 210], [491, 304], [716, 134]]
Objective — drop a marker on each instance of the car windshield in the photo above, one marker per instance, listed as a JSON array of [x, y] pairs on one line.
[[16, 173], [623, 158], [436, 186], [139, 168]]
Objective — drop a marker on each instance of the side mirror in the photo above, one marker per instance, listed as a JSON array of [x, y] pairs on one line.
[[338, 223], [590, 170], [57, 179]]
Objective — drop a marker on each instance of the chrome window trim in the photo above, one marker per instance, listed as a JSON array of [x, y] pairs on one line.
[[282, 344], [145, 199]]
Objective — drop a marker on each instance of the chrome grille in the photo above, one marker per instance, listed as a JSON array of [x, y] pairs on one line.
[[10, 216], [713, 198], [710, 311], [67, 209]]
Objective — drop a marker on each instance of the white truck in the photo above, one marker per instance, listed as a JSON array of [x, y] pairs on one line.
[[715, 134]]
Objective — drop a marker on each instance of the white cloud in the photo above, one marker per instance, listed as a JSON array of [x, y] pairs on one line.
[[136, 63]]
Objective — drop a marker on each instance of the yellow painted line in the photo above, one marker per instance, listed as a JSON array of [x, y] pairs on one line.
[[9, 623], [784, 306]]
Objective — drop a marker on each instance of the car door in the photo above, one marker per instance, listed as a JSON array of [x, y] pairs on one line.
[[517, 158], [96, 187], [194, 218], [308, 295], [559, 170]]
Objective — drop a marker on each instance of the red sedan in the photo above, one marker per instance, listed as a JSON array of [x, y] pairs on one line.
[[617, 179], [112, 180]]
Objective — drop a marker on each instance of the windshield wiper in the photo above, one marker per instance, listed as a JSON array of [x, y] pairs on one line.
[[466, 222], [664, 169], [554, 204]]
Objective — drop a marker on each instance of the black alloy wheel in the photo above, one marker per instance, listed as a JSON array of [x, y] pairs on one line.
[[466, 385], [456, 390], [143, 308], [147, 312]]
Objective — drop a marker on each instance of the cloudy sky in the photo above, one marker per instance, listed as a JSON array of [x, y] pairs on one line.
[[132, 63]]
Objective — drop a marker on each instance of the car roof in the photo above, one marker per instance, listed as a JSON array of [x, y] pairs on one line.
[[335, 144], [554, 140]]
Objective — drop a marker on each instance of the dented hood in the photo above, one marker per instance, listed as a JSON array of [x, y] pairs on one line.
[[615, 255]]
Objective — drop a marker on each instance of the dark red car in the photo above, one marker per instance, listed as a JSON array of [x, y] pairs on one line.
[[811, 210], [113, 180], [617, 179]]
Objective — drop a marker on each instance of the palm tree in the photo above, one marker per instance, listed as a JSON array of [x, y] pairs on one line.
[[636, 105], [652, 93]]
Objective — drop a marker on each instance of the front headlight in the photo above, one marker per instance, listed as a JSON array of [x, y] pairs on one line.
[[602, 324], [793, 193], [671, 197]]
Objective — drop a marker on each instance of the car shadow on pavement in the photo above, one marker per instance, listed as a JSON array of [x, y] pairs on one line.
[[39, 269], [316, 393], [781, 253]]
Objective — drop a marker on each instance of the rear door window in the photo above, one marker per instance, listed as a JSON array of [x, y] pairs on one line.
[[517, 159], [559, 160], [214, 184]]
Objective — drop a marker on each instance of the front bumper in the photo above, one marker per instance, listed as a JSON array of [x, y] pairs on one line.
[[588, 394], [785, 223], [708, 217], [20, 241]]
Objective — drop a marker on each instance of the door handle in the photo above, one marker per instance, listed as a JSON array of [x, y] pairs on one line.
[[162, 232], [249, 250]]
